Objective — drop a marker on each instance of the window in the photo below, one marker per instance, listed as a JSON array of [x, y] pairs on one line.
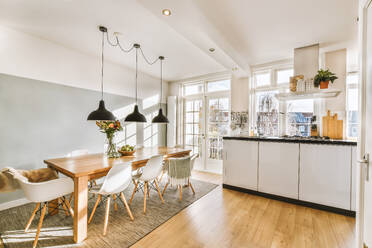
[[193, 89], [262, 79], [129, 133], [128, 136], [218, 86], [352, 105], [282, 76], [299, 115], [150, 131], [267, 119]]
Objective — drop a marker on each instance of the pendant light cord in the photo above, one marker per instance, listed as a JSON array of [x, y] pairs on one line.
[[161, 82], [136, 73], [102, 63]]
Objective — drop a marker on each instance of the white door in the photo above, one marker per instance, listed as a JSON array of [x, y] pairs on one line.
[[364, 200], [194, 129]]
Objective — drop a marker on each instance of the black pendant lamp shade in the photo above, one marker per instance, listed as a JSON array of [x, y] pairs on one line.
[[101, 114], [136, 116], [161, 118]]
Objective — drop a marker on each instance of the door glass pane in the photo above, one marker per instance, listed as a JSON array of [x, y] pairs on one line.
[[196, 117], [189, 106], [189, 118], [189, 140], [189, 129]]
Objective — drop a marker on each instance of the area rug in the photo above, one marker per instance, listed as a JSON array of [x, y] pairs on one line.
[[121, 232]]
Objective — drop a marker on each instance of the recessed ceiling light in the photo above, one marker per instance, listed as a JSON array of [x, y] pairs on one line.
[[166, 12], [212, 50]]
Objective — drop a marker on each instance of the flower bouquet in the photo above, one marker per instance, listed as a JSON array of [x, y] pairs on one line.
[[110, 128]]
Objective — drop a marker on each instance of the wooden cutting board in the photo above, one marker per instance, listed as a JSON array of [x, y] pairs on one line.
[[332, 127]]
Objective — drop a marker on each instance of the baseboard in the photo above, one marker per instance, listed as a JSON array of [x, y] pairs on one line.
[[12, 204], [293, 201]]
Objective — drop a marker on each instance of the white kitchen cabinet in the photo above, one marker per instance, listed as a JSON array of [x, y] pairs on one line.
[[240, 163], [325, 175], [278, 168]]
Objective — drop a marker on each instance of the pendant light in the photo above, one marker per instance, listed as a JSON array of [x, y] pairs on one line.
[[160, 118], [136, 116], [101, 114]]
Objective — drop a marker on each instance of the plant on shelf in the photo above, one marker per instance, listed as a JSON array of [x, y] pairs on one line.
[[110, 128], [323, 77]]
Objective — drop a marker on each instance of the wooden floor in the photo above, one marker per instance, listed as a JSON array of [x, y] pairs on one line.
[[226, 218]]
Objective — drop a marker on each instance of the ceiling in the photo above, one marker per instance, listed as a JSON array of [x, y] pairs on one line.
[[243, 32]]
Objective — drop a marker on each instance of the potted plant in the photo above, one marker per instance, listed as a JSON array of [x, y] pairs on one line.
[[323, 77]]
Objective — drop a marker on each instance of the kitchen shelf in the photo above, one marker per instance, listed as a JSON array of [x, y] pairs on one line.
[[312, 94]]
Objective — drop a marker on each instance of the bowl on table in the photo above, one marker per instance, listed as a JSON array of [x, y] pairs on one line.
[[126, 153]]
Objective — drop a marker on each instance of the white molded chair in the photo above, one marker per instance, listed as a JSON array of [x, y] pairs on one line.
[[150, 173], [116, 181], [42, 193], [179, 172]]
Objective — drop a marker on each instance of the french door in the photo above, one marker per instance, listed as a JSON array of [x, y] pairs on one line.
[[206, 121]]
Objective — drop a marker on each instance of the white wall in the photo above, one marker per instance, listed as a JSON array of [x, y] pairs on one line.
[[239, 94], [31, 57]]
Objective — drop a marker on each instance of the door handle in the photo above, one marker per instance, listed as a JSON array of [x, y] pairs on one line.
[[365, 160]]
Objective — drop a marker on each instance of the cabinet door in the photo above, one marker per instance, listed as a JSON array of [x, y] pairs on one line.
[[278, 169], [240, 163], [325, 175]]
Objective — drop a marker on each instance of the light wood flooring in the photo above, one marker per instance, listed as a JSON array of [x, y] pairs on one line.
[[226, 218]]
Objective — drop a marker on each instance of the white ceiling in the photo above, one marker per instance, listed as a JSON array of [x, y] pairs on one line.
[[243, 32]]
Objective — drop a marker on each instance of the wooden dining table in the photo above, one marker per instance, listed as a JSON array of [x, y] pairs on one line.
[[93, 166]]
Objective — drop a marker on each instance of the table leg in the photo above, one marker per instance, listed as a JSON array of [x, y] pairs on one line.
[[80, 209], [53, 207]]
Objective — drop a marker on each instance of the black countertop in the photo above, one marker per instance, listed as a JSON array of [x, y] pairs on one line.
[[293, 140]]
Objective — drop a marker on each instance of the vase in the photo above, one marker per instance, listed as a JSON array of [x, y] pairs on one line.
[[324, 84], [111, 151]]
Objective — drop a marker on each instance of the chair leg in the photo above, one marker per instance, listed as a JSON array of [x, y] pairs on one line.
[[144, 198], [126, 205], [69, 207], [39, 226], [161, 176], [165, 189], [192, 188], [157, 187], [134, 191], [64, 206], [180, 189], [69, 200], [106, 215], [32, 217], [115, 202], [94, 208]]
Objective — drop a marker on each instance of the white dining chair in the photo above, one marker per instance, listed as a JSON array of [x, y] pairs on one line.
[[116, 181], [150, 173], [43, 192], [179, 172]]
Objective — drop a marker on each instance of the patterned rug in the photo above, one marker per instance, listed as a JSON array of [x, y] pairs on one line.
[[121, 232]]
